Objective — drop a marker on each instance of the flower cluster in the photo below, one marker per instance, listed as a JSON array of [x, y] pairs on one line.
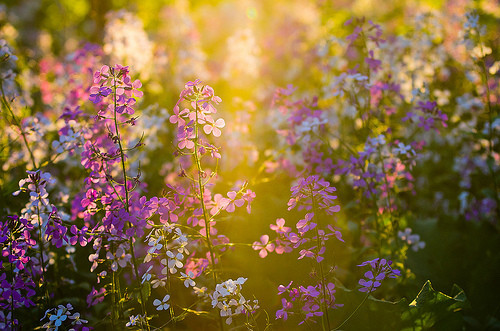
[[7, 68], [203, 101], [16, 274], [63, 317], [309, 299], [228, 298], [380, 269], [412, 240]]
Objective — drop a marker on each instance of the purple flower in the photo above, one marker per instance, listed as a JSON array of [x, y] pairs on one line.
[[98, 93], [381, 268]]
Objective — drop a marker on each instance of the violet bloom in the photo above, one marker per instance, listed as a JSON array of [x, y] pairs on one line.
[[381, 268], [98, 93]]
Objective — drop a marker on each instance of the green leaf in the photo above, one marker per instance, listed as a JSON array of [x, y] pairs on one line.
[[435, 309], [146, 292]]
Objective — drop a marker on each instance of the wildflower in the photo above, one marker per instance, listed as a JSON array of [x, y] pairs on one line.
[[381, 268], [162, 305], [188, 279], [264, 246], [412, 240], [58, 318], [134, 320], [280, 226]]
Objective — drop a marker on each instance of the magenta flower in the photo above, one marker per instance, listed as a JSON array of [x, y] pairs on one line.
[[79, 236], [102, 74], [283, 313], [309, 291], [95, 296]]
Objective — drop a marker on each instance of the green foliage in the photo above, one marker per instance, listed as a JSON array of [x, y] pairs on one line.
[[433, 309]]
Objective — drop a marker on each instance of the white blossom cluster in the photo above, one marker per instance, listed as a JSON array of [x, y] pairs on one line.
[[38, 205], [7, 69], [228, 298], [125, 41], [169, 244], [186, 56], [412, 240], [242, 61]]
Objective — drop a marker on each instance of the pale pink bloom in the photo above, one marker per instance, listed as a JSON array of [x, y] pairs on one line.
[[264, 246]]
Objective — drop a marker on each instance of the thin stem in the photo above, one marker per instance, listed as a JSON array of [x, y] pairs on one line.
[[394, 222], [202, 202], [318, 249], [355, 310], [12, 282], [113, 294], [490, 129], [127, 209], [249, 309], [40, 246], [18, 124]]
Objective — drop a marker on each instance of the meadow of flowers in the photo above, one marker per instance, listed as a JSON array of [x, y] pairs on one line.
[[250, 165]]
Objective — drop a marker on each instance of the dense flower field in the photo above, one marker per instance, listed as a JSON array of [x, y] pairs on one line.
[[260, 165]]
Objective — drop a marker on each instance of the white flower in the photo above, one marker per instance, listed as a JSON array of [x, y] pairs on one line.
[[133, 320], [174, 261], [147, 275], [188, 279], [155, 245], [162, 305], [412, 240]]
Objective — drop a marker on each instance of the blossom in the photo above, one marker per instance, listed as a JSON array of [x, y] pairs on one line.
[[95, 297], [133, 320], [220, 203], [381, 268], [264, 246], [280, 226], [214, 127], [162, 305], [283, 313], [233, 201], [98, 93], [188, 279], [412, 240]]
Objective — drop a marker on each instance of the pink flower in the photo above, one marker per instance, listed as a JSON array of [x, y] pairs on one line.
[[233, 202], [280, 226], [248, 196], [214, 127], [264, 246], [220, 203]]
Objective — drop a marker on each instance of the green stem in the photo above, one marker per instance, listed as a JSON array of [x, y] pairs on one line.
[[355, 310], [43, 280], [318, 249], [113, 294], [202, 202], [394, 222], [490, 129], [11, 239], [127, 209], [18, 124]]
